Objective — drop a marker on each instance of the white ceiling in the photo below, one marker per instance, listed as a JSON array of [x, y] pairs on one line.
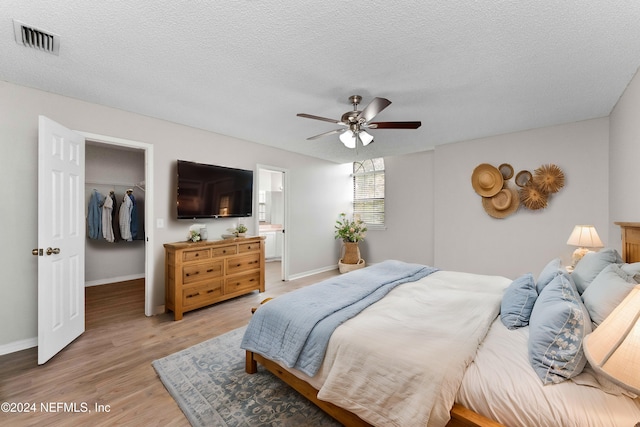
[[466, 69]]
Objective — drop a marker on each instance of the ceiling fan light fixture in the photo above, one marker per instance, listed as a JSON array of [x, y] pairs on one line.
[[365, 137], [348, 138]]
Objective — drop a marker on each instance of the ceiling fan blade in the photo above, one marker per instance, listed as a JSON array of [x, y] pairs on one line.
[[394, 125], [324, 119], [331, 132], [374, 107]]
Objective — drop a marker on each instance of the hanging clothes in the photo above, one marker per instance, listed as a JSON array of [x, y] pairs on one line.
[[134, 215], [107, 219], [125, 218], [94, 215], [115, 222]]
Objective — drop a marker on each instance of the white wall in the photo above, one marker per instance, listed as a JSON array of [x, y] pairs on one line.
[[467, 239], [317, 192], [624, 155], [409, 207]]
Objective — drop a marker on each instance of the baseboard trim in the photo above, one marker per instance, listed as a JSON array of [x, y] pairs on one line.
[[113, 280], [12, 347], [312, 272]]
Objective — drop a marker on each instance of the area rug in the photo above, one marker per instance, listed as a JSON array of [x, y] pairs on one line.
[[210, 385]]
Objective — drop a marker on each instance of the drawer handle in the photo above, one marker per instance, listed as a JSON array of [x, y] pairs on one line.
[[193, 295], [224, 251], [209, 291], [193, 274], [210, 270], [197, 255], [238, 265]]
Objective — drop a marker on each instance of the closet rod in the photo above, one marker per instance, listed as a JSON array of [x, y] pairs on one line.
[[113, 184]]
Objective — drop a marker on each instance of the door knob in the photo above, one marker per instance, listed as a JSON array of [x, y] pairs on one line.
[[36, 252], [53, 251]]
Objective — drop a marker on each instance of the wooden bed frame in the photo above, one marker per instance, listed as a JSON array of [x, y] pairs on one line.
[[460, 416], [630, 232]]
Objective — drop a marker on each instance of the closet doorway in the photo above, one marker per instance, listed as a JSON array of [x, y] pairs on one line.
[[123, 167]]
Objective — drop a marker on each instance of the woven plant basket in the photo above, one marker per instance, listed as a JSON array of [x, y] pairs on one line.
[[345, 268], [350, 259], [350, 253]]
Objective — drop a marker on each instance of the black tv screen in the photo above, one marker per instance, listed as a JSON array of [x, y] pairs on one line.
[[210, 191]]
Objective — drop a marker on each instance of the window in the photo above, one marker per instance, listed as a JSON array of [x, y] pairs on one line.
[[368, 191]]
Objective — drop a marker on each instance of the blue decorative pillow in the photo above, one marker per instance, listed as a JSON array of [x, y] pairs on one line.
[[591, 265], [551, 270], [559, 321], [607, 291], [518, 301]]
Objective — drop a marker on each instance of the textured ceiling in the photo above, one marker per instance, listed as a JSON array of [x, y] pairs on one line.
[[466, 69]]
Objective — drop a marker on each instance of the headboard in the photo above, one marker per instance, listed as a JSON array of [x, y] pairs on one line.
[[630, 241]]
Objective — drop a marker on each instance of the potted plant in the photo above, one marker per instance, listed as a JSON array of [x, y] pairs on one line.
[[239, 231], [351, 232], [193, 235]]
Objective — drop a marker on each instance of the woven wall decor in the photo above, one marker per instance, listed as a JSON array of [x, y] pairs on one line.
[[534, 193]]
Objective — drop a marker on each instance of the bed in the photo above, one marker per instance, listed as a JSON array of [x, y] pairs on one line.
[[391, 363]]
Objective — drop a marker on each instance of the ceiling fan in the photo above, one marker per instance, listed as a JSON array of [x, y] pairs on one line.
[[357, 121]]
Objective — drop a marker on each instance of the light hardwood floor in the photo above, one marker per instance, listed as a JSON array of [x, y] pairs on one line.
[[110, 364]]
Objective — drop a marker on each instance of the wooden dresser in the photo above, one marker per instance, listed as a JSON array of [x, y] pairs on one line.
[[203, 273]]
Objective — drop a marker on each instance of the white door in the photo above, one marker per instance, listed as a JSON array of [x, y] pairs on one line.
[[61, 234]]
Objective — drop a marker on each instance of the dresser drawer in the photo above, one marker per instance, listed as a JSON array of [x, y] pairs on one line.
[[248, 247], [242, 283], [243, 263], [224, 251], [196, 272], [195, 255], [201, 294]]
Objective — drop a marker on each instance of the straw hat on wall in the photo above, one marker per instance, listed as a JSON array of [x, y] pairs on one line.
[[487, 180], [502, 204]]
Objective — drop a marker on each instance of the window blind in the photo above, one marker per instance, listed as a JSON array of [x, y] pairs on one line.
[[368, 191]]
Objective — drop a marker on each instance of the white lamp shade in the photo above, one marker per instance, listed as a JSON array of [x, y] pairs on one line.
[[348, 138], [365, 138], [585, 236], [613, 349]]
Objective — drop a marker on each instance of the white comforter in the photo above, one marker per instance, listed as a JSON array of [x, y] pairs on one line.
[[501, 384], [435, 324]]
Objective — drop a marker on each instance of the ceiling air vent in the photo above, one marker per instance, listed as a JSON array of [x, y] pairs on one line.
[[35, 38]]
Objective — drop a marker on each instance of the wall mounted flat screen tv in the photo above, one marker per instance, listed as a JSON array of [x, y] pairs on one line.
[[211, 191]]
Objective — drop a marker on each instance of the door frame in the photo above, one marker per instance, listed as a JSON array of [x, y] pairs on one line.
[[285, 220], [148, 208]]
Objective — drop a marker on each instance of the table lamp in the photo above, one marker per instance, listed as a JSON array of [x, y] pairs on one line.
[[585, 237], [613, 348]]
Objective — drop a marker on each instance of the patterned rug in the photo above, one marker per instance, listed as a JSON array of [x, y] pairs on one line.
[[210, 385]]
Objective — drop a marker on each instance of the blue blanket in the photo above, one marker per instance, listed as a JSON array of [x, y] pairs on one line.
[[295, 328]]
